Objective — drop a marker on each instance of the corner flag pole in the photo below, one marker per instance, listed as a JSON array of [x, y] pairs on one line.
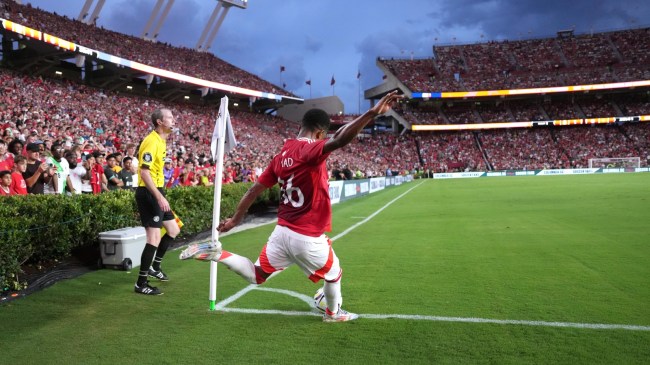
[[222, 135]]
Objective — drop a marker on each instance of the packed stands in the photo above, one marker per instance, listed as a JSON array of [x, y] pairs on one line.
[[564, 60], [50, 109], [203, 65]]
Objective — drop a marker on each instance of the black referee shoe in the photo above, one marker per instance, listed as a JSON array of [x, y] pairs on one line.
[[147, 289], [158, 275]]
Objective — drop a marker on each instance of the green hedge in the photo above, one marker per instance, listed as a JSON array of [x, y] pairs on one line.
[[43, 228]]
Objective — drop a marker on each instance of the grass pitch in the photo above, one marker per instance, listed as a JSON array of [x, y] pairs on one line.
[[442, 258]]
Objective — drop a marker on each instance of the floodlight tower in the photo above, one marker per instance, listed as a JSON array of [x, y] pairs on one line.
[[85, 16], [152, 20], [215, 21]]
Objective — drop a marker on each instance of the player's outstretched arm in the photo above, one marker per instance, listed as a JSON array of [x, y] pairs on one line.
[[245, 203], [347, 133]]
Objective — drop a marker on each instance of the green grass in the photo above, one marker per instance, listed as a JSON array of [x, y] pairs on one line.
[[554, 249]]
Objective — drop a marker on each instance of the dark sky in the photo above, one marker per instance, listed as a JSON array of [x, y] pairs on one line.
[[318, 39]]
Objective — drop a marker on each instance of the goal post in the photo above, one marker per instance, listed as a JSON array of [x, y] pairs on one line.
[[614, 162]]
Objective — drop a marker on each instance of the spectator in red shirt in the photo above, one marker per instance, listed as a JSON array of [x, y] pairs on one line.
[[187, 178], [6, 158], [97, 179], [18, 184], [5, 182]]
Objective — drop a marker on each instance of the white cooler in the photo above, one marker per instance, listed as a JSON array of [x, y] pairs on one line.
[[122, 248]]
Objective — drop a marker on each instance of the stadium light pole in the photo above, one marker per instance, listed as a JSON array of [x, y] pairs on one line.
[[218, 15]]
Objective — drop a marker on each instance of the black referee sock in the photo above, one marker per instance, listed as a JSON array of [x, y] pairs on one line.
[[165, 242], [145, 262]]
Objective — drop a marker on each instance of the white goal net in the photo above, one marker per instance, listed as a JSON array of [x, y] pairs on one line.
[[614, 162]]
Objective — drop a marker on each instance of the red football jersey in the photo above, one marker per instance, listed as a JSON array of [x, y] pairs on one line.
[[301, 171], [18, 184]]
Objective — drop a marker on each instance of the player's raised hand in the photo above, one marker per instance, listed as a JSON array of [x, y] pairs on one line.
[[387, 102]]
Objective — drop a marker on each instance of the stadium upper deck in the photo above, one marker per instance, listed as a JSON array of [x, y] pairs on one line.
[[569, 60], [202, 65]]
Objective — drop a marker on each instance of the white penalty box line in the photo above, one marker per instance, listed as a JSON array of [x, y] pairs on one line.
[[223, 305]]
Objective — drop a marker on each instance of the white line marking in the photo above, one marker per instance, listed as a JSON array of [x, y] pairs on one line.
[[314, 313], [305, 298], [354, 226], [453, 319]]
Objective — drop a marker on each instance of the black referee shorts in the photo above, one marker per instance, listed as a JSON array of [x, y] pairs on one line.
[[150, 213]]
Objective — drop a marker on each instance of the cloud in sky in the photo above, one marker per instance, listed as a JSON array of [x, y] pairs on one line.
[[316, 39]]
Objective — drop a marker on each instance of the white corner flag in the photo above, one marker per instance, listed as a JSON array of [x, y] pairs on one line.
[[224, 117], [223, 140]]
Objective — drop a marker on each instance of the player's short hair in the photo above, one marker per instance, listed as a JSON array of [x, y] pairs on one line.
[[316, 119], [157, 114]]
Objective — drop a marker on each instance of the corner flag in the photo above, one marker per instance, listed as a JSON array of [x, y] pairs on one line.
[[223, 140], [230, 141]]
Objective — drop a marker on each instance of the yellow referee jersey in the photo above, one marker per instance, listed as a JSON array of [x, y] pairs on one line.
[[151, 155]]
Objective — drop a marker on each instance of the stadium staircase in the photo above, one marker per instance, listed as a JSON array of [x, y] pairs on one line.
[[580, 111], [417, 148], [544, 113], [619, 112], [624, 133], [479, 145], [510, 113], [401, 120], [477, 115], [619, 56], [558, 48]]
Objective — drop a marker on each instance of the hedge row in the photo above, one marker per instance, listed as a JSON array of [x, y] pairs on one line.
[[43, 228]]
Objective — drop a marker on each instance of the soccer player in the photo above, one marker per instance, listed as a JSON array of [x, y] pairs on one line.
[[154, 209], [305, 212]]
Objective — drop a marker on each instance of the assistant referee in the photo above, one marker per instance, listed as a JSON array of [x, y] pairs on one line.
[[153, 207]]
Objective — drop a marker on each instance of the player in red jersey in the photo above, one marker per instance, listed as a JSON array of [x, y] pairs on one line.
[[305, 212]]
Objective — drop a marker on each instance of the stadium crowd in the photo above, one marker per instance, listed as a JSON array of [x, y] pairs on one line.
[[186, 61], [92, 129], [95, 124], [60, 135], [564, 60]]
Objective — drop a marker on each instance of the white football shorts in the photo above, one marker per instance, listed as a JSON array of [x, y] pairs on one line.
[[314, 255]]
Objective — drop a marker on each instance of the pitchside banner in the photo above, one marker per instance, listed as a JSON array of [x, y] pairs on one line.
[[567, 171], [342, 190], [336, 188], [458, 175], [377, 183], [545, 172]]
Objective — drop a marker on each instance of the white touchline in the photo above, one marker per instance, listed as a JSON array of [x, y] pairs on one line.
[[222, 306]]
